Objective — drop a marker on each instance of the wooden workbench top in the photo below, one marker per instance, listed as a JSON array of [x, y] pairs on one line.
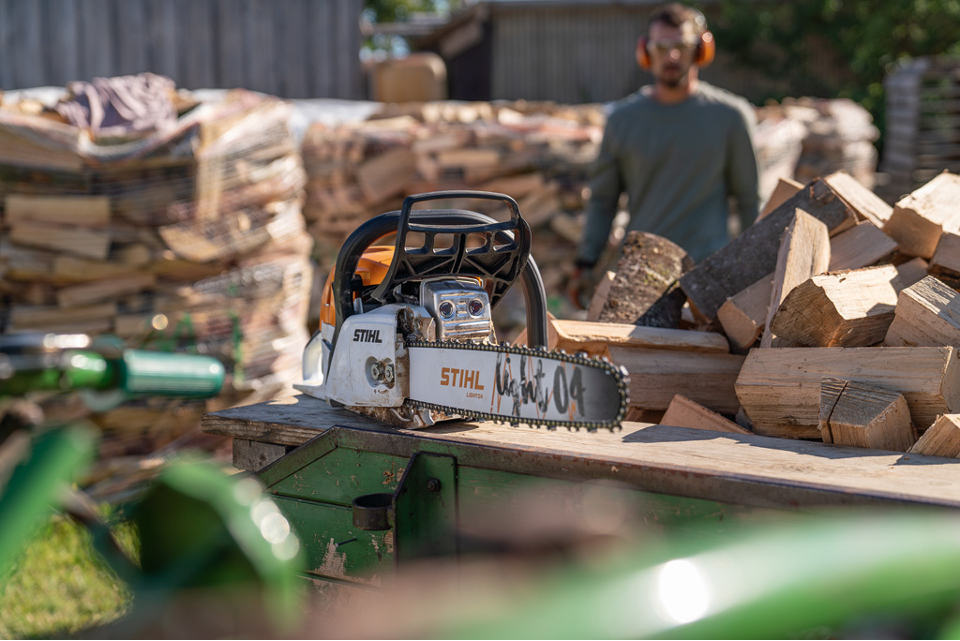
[[743, 469]]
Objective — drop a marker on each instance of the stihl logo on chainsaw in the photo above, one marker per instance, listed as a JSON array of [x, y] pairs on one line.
[[366, 336], [466, 378]]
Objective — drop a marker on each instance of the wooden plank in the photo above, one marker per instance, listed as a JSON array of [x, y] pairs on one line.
[[843, 309], [785, 189], [89, 243], [69, 210], [61, 47], [34, 316], [656, 375], [920, 218], [163, 27], [744, 315], [862, 245], [97, 51], [804, 252], [231, 61], [753, 253], [733, 468], [196, 64], [861, 200], [780, 388], [861, 415], [88, 293], [593, 338], [683, 412], [131, 49], [942, 439], [927, 314], [322, 50]]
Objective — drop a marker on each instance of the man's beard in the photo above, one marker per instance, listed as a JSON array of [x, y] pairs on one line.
[[672, 80]]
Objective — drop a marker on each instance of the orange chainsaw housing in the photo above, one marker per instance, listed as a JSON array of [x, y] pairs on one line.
[[372, 268]]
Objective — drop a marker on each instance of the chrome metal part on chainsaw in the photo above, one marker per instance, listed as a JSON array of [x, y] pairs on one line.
[[618, 372]]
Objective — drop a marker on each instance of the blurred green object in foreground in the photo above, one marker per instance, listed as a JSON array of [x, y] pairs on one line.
[[852, 571]]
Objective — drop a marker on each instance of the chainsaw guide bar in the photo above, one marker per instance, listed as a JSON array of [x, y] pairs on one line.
[[516, 384]]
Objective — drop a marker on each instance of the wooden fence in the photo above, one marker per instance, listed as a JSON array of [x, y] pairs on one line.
[[287, 48]]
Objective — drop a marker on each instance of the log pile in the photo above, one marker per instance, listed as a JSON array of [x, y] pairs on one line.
[[538, 153], [190, 238], [826, 320]]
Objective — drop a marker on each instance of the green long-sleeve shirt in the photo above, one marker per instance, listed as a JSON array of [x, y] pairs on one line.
[[678, 165]]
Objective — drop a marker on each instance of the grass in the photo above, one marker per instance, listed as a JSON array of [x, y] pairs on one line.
[[59, 586]]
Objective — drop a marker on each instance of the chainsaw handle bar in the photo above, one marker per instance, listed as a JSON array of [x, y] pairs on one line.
[[460, 221], [498, 265]]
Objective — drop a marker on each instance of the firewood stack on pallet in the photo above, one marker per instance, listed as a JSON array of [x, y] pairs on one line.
[[833, 318], [537, 152], [187, 238]]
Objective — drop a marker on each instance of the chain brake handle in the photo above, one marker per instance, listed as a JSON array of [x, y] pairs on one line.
[[498, 265], [502, 259]]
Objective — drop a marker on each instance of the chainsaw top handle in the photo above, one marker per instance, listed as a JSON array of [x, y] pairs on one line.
[[500, 259]]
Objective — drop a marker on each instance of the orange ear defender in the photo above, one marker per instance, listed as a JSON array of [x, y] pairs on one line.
[[706, 50]]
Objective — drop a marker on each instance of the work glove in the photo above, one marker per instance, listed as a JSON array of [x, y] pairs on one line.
[[581, 284]]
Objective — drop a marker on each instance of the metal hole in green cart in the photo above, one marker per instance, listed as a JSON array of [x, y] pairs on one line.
[[371, 511]]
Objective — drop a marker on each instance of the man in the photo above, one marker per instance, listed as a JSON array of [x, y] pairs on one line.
[[678, 148]]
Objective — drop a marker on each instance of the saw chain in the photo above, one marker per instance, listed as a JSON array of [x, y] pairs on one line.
[[617, 373]]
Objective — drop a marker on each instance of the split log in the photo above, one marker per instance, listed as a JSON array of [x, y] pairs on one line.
[[786, 188], [920, 218], [683, 412], [86, 242], [744, 314], [862, 245], [927, 314], [386, 175], [101, 290], [645, 289], [941, 439], [753, 253], [946, 258], [68, 210], [844, 309], [780, 388], [861, 415], [804, 252], [594, 338], [656, 375], [860, 199]]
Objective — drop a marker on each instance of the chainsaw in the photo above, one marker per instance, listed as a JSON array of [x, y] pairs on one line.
[[407, 336]]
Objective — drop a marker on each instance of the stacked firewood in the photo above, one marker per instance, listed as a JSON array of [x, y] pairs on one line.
[[835, 317], [189, 238], [539, 153]]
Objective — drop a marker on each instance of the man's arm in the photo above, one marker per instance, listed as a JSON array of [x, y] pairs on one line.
[[605, 188], [743, 174]]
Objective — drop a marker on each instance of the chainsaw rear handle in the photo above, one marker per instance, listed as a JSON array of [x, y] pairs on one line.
[[461, 222]]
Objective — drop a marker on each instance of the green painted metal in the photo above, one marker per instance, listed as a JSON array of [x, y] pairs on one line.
[[458, 512], [335, 549], [425, 508], [341, 475]]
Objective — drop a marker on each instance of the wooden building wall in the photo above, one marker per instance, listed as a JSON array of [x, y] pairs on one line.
[[287, 48]]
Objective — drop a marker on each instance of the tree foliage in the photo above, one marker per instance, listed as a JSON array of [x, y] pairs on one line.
[[389, 11], [867, 37]]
